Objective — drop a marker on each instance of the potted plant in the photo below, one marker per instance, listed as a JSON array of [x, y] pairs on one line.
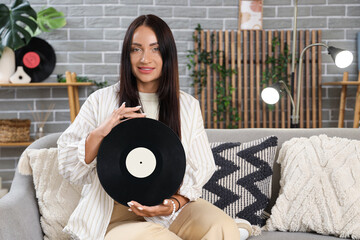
[[18, 24]]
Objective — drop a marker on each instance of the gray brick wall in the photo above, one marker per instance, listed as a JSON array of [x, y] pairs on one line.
[[90, 45]]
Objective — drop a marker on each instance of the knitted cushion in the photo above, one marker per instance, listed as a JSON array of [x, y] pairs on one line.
[[57, 198], [241, 185], [320, 187]]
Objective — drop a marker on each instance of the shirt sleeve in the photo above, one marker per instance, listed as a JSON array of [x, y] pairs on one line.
[[71, 145], [200, 163]]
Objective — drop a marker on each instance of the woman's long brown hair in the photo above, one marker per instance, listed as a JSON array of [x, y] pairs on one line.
[[168, 91]]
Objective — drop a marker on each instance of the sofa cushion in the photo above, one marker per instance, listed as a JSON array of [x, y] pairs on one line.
[[291, 236], [320, 182], [241, 185], [57, 198]]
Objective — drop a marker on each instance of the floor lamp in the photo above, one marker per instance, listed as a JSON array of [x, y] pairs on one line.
[[293, 51], [271, 94]]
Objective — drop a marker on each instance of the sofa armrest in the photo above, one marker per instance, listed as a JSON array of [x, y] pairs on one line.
[[19, 212]]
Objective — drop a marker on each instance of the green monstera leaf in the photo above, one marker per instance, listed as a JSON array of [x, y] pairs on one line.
[[12, 21], [49, 19]]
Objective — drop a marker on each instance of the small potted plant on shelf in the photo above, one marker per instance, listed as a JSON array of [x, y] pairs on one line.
[[18, 25]]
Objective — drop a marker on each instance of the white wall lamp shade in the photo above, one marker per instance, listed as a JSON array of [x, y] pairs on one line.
[[270, 95], [342, 58]]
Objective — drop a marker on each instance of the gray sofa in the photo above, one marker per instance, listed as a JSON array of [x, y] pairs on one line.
[[19, 215]]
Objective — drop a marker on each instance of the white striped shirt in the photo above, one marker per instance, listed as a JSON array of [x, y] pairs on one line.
[[91, 217]]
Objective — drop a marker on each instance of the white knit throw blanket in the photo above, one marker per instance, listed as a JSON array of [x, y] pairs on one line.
[[320, 187], [57, 198]]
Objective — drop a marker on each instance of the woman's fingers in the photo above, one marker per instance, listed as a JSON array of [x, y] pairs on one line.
[[128, 112], [134, 115], [123, 109], [138, 209], [119, 115], [132, 109], [146, 211], [122, 106]]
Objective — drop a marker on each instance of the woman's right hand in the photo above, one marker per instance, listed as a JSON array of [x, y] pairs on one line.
[[95, 137], [119, 115]]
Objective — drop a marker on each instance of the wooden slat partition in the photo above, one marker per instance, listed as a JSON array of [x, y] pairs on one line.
[[304, 80], [258, 79], [202, 67], [276, 112], [221, 48], [263, 60], [245, 81], [233, 79], [319, 70], [251, 90], [313, 80], [215, 75], [307, 79], [196, 67], [289, 44], [270, 53], [227, 121], [239, 73], [282, 46], [246, 51], [208, 82]]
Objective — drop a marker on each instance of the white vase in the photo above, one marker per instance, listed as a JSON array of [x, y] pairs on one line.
[[20, 76], [7, 65]]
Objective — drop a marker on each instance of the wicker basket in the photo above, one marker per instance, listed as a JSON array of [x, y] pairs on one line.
[[14, 130]]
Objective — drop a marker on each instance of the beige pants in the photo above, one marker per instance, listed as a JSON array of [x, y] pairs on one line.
[[198, 220]]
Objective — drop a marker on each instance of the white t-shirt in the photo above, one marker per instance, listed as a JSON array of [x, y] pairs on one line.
[[150, 104]]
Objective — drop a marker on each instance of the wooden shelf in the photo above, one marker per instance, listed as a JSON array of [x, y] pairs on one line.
[[342, 83], [70, 84], [73, 97], [50, 84], [15, 144]]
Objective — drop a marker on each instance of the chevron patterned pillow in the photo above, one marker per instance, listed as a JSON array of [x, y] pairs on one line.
[[241, 185]]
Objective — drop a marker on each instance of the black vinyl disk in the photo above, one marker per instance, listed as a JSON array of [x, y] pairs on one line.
[[141, 159], [37, 58]]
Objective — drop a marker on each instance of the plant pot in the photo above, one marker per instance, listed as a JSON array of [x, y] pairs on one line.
[[7, 65]]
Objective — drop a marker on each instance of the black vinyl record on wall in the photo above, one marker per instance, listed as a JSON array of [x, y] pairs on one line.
[[37, 58]]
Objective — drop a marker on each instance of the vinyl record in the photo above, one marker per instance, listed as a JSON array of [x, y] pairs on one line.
[[37, 58], [141, 159]]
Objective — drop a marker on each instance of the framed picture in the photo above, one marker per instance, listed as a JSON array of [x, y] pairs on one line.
[[250, 14]]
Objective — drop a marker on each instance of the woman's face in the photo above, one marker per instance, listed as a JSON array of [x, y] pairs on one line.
[[146, 61]]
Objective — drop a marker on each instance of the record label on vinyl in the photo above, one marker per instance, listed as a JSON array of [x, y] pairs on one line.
[[140, 162], [143, 160], [37, 58], [31, 60]]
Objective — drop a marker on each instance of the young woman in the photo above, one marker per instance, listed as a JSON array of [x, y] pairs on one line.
[[149, 81]]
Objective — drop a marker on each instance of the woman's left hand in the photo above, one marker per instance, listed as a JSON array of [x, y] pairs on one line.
[[163, 209]]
